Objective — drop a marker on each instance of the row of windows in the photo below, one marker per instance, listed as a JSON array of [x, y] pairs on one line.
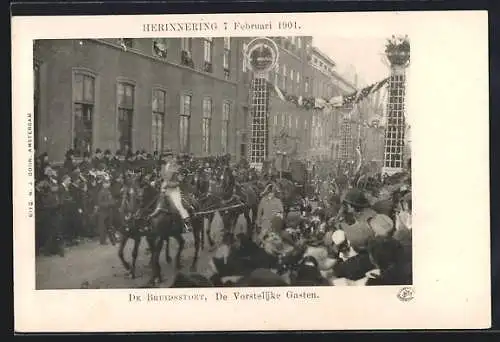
[[160, 48], [321, 65], [84, 106]]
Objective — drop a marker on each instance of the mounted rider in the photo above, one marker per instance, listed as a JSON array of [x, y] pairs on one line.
[[170, 194]]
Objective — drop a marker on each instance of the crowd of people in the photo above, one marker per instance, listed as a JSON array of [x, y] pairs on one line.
[[81, 198], [359, 232]]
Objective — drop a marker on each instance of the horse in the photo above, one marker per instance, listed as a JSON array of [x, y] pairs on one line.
[[222, 190], [169, 224], [133, 224], [188, 188]]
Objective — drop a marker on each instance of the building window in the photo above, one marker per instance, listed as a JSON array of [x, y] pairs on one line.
[[160, 47], [306, 85], [284, 77], [184, 118], [227, 58], [207, 54], [292, 76], [276, 78], [186, 52], [226, 110], [299, 42], [206, 124], [298, 77], [83, 112], [159, 107], [125, 115]]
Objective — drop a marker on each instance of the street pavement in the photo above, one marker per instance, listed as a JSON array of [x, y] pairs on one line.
[[91, 265]]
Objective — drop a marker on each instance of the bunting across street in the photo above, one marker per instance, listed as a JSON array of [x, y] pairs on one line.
[[343, 101]]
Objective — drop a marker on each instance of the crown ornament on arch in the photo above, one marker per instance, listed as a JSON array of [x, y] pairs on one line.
[[397, 50]]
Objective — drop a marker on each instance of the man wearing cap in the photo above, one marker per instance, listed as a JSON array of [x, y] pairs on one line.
[[269, 207], [170, 187], [105, 206]]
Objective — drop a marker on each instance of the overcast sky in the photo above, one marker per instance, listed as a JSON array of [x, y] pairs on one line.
[[361, 55]]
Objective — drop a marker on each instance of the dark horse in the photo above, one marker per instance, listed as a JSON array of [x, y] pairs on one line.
[[169, 224], [237, 199], [133, 225]]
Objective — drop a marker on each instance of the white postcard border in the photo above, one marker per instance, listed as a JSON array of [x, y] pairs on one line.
[[448, 100]]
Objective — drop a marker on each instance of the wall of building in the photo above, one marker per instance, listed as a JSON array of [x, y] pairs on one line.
[[109, 63]]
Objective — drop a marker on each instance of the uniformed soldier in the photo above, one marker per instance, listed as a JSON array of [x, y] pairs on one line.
[[172, 191]]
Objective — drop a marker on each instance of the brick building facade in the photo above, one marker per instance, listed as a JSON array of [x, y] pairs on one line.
[[108, 93], [185, 94]]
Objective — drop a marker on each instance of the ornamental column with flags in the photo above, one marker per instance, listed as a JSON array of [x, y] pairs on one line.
[[398, 53], [261, 55]]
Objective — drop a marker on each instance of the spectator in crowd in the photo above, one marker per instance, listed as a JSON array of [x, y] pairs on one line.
[[97, 160], [353, 259], [269, 207], [86, 164], [105, 207], [387, 255]]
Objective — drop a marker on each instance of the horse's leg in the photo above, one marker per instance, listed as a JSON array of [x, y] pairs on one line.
[[209, 230], [197, 236], [201, 221], [150, 241], [255, 209], [181, 242], [157, 247], [135, 252], [249, 221], [167, 251], [123, 242]]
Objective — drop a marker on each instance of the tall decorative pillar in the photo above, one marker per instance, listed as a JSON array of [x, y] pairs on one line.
[[262, 56], [346, 141], [398, 53]]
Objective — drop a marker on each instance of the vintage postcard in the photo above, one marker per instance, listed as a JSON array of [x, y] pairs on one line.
[[251, 172]]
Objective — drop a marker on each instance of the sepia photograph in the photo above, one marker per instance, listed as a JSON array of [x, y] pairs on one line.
[[224, 161], [255, 171]]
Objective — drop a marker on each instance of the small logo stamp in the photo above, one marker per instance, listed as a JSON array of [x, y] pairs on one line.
[[406, 294]]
